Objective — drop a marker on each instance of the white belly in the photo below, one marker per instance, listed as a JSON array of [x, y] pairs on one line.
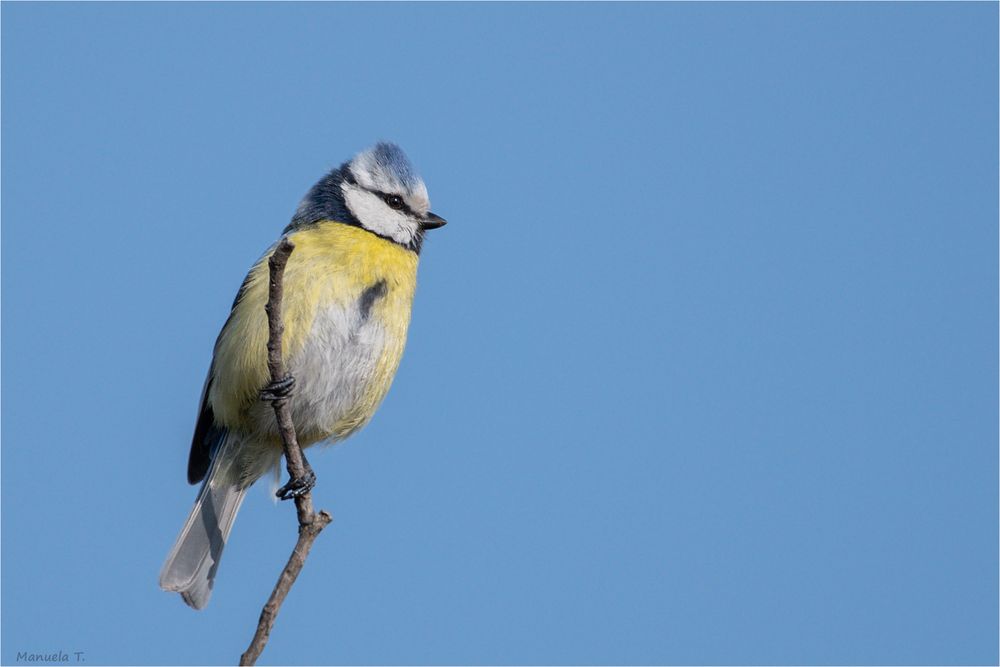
[[334, 372], [341, 376]]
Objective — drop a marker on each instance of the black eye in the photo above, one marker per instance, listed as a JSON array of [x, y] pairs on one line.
[[395, 201]]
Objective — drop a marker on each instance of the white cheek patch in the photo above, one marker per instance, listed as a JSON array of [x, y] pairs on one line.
[[375, 215]]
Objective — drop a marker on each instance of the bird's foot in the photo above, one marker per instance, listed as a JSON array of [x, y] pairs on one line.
[[278, 390], [297, 486]]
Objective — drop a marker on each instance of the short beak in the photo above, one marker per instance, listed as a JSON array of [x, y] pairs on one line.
[[432, 221]]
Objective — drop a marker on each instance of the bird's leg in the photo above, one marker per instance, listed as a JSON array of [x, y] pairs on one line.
[[298, 485], [279, 390]]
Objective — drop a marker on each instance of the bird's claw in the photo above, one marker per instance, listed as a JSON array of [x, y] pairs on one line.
[[278, 390], [297, 486]]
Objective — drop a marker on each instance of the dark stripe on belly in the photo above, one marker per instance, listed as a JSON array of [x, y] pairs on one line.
[[368, 298]]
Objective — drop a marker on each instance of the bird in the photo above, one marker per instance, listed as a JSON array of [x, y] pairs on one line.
[[348, 293]]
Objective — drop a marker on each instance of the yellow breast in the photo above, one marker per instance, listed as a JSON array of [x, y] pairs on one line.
[[332, 265]]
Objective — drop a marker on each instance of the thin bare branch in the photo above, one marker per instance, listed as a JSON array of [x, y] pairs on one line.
[[310, 523]]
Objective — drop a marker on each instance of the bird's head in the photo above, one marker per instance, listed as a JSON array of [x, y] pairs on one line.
[[378, 190]]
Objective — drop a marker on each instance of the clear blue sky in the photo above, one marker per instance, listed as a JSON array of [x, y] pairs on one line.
[[703, 370]]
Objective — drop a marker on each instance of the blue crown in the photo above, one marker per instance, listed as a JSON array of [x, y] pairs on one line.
[[393, 160], [384, 167]]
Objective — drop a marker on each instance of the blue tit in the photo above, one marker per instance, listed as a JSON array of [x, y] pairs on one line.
[[348, 291]]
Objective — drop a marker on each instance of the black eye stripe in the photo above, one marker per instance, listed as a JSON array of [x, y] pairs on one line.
[[384, 196], [394, 202]]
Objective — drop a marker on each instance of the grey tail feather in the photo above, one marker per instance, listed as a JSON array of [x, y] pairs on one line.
[[194, 559]]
